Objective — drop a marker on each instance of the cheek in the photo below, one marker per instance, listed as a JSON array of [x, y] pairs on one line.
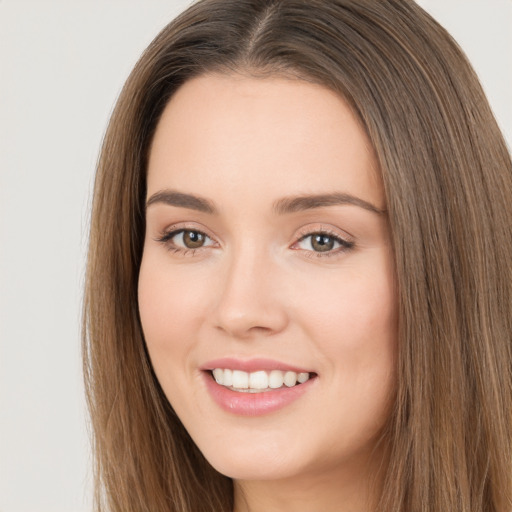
[[354, 325], [354, 312], [169, 310]]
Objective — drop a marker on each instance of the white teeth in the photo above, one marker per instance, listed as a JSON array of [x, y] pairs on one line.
[[301, 378], [228, 378], [290, 379], [259, 380], [218, 375], [240, 379], [276, 379]]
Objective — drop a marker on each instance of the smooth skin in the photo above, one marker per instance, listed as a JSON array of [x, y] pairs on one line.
[[241, 273]]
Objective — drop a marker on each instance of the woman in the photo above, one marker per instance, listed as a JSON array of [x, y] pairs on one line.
[[299, 283]]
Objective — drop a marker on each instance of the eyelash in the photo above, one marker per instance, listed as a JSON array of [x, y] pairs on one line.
[[167, 236], [344, 244]]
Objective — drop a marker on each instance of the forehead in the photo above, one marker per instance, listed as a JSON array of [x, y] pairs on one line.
[[261, 137]]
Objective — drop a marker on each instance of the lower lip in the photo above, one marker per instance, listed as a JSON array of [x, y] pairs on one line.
[[254, 404]]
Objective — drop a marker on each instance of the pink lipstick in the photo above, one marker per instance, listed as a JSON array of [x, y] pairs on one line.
[[257, 386]]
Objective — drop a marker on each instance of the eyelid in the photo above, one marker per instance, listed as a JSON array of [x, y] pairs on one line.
[[346, 240], [188, 226], [312, 229], [166, 234]]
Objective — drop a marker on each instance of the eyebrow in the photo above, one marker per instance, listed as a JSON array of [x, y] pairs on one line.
[[181, 200], [309, 202], [281, 206]]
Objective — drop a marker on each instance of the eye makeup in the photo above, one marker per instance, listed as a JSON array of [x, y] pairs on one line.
[[316, 242], [322, 241]]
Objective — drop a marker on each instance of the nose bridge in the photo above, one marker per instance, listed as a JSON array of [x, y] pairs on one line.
[[249, 299]]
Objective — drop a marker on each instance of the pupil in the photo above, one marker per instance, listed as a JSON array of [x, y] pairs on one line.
[[322, 243], [193, 239]]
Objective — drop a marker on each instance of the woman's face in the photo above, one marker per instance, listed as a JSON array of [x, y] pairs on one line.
[[267, 262]]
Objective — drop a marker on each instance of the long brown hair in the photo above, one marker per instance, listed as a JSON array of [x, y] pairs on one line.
[[448, 182]]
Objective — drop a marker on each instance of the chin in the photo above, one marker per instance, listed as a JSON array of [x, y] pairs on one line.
[[253, 461], [247, 470]]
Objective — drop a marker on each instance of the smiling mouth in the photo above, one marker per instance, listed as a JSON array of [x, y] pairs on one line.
[[259, 381]]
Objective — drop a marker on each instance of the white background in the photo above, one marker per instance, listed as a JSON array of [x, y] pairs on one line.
[[62, 65]]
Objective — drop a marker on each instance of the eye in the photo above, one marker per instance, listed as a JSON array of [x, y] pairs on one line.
[[190, 239], [184, 239], [322, 242]]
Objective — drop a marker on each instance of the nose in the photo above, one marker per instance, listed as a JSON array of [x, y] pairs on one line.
[[250, 300]]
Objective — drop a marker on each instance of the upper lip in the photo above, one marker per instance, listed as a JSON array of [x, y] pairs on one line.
[[252, 365]]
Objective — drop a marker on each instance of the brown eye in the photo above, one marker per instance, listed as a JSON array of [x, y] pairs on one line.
[[193, 239], [184, 239], [322, 243]]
